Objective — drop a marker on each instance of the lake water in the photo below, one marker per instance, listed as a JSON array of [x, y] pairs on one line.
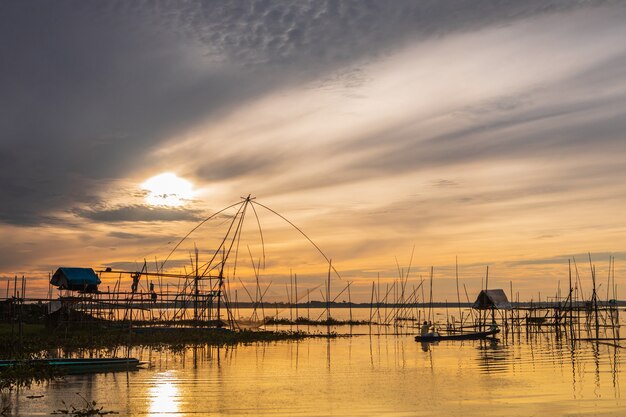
[[378, 375]]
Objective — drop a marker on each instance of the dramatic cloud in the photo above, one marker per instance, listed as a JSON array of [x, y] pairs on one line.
[[487, 129], [90, 88], [139, 213]]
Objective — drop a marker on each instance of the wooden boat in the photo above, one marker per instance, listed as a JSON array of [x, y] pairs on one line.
[[78, 365], [435, 337]]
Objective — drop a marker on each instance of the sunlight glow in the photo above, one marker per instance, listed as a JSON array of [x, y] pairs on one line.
[[164, 396], [167, 189]]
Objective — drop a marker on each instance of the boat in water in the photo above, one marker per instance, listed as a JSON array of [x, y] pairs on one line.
[[77, 365], [435, 337]]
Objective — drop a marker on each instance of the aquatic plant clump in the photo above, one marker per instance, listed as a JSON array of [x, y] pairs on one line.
[[89, 408], [24, 374], [306, 321]]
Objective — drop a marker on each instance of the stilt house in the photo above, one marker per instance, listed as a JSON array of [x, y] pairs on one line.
[[492, 299]]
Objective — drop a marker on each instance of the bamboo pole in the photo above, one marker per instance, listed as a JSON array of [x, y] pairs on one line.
[[330, 265], [295, 279], [372, 304], [430, 299], [458, 294], [350, 302]]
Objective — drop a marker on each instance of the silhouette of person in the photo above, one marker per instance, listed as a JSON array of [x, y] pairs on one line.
[[153, 293], [135, 284]]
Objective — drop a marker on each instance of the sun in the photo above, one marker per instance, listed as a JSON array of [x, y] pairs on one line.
[[167, 189]]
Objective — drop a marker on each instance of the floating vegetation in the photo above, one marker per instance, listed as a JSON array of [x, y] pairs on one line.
[[24, 374], [89, 408], [308, 322], [39, 339]]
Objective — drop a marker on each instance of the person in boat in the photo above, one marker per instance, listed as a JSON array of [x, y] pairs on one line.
[[428, 330]]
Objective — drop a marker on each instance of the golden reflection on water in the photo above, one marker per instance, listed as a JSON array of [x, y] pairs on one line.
[[396, 376], [382, 375], [164, 395]]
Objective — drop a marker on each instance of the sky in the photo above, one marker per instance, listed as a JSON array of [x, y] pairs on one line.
[[398, 136]]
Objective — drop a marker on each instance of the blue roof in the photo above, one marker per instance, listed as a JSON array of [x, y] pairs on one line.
[[75, 277]]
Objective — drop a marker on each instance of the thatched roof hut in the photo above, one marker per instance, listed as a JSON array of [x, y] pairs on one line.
[[492, 299]]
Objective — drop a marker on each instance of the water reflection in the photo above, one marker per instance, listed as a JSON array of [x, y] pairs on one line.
[[164, 395], [493, 356], [366, 375]]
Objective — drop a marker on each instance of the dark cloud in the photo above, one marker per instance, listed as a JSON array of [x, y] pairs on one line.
[[124, 235], [137, 265], [496, 105], [89, 88], [85, 100], [138, 213], [232, 166], [344, 80], [280, 33], [443, 183]]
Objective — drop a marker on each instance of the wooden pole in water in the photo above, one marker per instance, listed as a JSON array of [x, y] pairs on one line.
[[423, 297], [608, 282], [22, 308], [350, 302], [571, 303], [14, 306], [608, 301], [468, 302], [378, 299], [372, 302], [263, 295], [594, 297], [458, 294], [295, 281], [289, 302], [615, 297], [415, 297], [220, 283], [578, 281], [394, 313], [384, 301], [330, 265], [512, 312], [612, 269], [430, 302], [195, 300]]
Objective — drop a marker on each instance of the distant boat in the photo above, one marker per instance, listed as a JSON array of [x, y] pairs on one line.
[[72, 365], [435, 337]]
